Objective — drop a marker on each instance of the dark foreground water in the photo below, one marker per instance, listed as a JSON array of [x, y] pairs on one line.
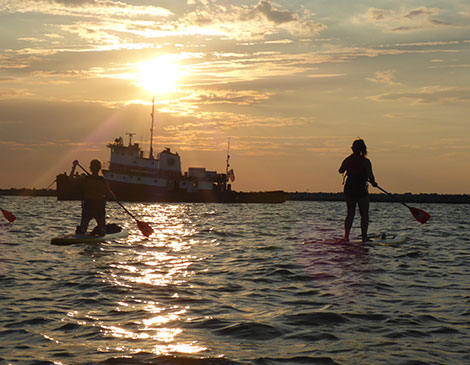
[[234, 284]]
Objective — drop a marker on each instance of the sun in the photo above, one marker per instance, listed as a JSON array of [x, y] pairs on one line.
[[159, 75]]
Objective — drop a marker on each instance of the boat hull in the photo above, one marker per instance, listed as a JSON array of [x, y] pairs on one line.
[[68, 189]]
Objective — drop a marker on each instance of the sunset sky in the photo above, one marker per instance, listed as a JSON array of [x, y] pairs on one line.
[[292, 83]]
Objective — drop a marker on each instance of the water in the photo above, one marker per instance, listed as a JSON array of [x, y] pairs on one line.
[[234, 284]]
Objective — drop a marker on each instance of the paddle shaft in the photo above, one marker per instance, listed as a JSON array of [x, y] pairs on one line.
[[393, 196]]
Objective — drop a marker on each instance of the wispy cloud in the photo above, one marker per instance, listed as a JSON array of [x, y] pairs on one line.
[[209, 18], [429, 95], [386, 77], [266, 9], [319, 76], [13, 93], [403, 20], [84, 8], [243, 97], [76, 2], [217, 121], [244, 22]]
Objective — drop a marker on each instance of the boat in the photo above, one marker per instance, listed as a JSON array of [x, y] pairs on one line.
[[136, 178]]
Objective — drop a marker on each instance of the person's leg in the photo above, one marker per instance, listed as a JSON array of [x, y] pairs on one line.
[[348, 222], [100, 215], [85, 220], [364, 211]]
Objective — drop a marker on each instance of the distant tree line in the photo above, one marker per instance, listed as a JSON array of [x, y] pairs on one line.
[[301, 196], [28, 192], [407, 197]]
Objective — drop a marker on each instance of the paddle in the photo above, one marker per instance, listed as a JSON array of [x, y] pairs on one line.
[[143, 226], [420, 215], [8, 215]]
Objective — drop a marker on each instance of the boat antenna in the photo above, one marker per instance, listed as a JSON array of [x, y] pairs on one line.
[[230, 173], [130, 138], [151, 128]]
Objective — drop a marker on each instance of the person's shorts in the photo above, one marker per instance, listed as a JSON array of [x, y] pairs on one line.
[[94, 209]]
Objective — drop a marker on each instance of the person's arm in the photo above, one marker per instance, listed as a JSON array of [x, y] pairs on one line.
[[343, 168], [370, 174]]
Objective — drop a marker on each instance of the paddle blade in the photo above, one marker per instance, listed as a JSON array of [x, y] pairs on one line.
[[145, 228], [8, 215], [420, 215]]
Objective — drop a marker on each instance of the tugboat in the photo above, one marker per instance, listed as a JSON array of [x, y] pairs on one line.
[[133, 177]]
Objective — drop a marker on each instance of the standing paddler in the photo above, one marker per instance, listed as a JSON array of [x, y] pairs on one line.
[[358, 169], [93, 188]]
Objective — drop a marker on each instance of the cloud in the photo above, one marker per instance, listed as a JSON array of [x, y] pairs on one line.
[[429, 95], [13, 93], [112, 25], [280, 41], [76, 2], [347, 53], [265, 8], [249, 22], [403, 20], [427, 44], [96, 9], [243, 97], [319, 76], [218, 122], [384, 77]]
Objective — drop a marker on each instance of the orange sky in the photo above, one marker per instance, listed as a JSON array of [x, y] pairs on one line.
[[292, 83]]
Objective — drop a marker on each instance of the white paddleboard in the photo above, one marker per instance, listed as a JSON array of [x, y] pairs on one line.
[[382, 239], [72, 239], [374, 239]]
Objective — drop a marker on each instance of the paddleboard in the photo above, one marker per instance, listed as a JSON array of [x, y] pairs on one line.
[[374, 239], [72, 239]]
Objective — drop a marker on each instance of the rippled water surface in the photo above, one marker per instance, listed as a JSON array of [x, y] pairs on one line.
[[234, 284]]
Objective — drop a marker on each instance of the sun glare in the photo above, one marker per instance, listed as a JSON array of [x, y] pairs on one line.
[[159, 75]]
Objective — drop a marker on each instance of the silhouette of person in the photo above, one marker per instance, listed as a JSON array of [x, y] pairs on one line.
[[93, 188], [358, 169]]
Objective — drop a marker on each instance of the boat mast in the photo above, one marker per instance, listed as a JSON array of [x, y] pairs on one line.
[[151, 128]]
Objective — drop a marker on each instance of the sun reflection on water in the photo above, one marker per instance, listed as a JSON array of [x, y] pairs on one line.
[[162, 261], [160, 269], [119, 332], [184, 348], [159, 320]]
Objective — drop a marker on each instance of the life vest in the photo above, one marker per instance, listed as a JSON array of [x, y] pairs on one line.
[[93, 188], [356, 176], [356, 165]]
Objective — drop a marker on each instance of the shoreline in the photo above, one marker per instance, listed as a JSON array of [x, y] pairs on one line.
[[381, 197], [300, 196]]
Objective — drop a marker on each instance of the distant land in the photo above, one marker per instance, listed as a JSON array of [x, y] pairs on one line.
[[407, 197], [28, 192], [302, 196]]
